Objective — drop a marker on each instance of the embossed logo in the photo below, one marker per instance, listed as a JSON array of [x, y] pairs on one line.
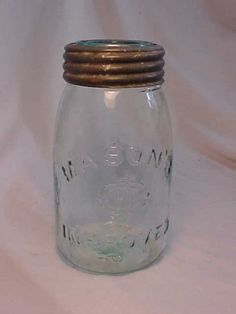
[[124, 194]]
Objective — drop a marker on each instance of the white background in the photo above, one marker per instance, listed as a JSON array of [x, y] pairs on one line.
[[198, 271]]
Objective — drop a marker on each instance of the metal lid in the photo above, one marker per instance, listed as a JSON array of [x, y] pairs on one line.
[[113, 63]]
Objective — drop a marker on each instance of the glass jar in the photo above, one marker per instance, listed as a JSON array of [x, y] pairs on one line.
[[112, 156]]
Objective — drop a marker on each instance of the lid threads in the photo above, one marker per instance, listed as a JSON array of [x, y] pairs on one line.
[[113, 63]]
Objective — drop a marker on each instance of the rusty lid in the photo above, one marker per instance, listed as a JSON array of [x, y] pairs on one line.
[[114, 63]]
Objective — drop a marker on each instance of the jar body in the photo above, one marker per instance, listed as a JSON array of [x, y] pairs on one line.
[[112, 173]]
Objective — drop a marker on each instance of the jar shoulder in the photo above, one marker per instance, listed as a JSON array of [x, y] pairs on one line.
[[132, 115]]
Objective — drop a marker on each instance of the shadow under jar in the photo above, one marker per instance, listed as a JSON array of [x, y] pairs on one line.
[[112, 156]]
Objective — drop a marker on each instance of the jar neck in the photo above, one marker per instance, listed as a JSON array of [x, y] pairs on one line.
[[117, 89]]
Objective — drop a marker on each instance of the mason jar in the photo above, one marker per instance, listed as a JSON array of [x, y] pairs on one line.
[[112, 156]]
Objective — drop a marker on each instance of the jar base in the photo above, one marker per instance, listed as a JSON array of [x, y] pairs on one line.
[[111, 249], [113, 273]]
